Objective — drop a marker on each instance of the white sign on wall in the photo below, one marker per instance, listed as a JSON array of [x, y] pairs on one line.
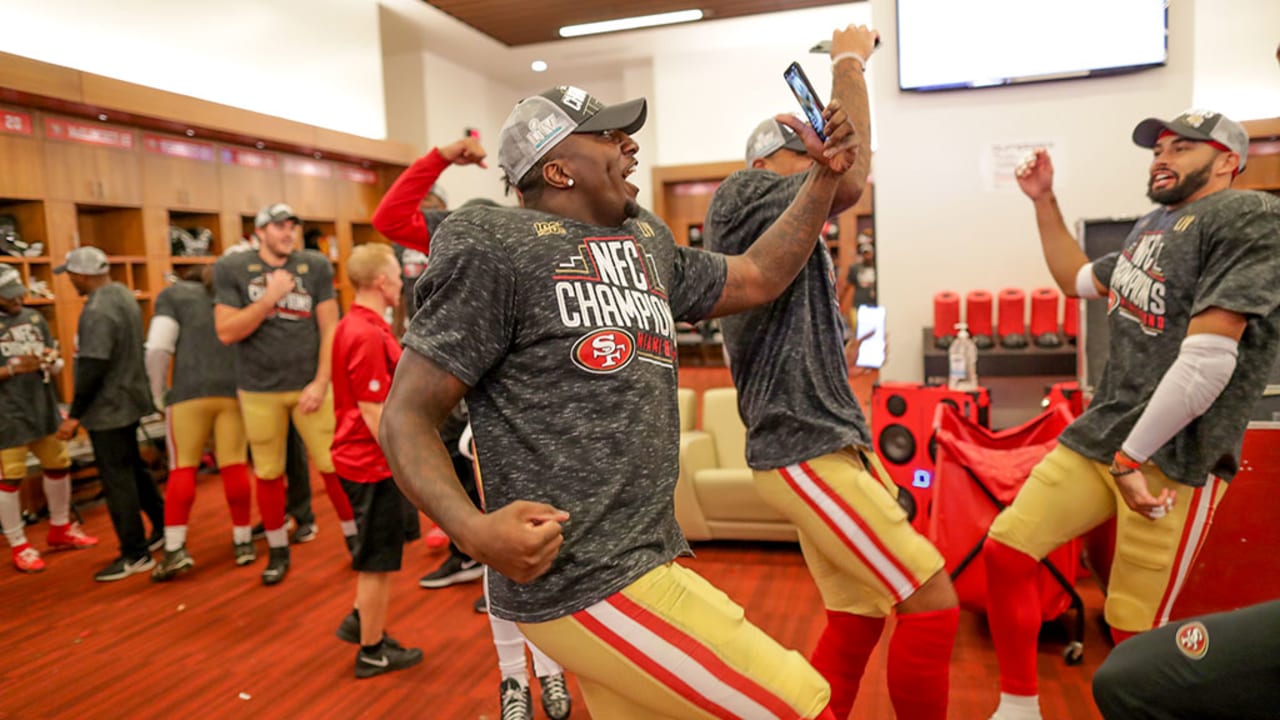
[[1001, 159]]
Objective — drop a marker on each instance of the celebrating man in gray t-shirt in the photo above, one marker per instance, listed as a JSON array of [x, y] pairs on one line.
[[556, 322], [1193, 310]]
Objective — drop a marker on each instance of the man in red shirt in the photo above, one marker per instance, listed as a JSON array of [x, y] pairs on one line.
[[365, 353]]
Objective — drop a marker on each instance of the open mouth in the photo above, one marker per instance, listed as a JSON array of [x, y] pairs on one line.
[[1163, 180]]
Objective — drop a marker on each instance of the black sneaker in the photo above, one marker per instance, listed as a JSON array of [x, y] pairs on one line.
[[156, 541], [174, 562], [481, 605], [388, 657], [277, 566], [122, 568], [453, 571], [349, 629], [351, 543], [556, 702], [517, 703], [244, 552], [305, 534]]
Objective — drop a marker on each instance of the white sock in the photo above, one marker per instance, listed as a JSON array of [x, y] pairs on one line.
[[1018, 707], [11, 518], [348, 527], [543, 665], [175, 536], [58, 494], [278, 538], [241, 534], [509, 642]]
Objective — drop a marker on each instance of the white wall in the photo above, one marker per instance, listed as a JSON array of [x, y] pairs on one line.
[[1235, 57], [939, 226], [313, 61]]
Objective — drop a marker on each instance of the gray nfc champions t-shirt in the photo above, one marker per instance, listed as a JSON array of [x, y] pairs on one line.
[[202, 366], [787, 357], [110, 329], [565, 334], [1222, 251], [28, 405], [282, 354]]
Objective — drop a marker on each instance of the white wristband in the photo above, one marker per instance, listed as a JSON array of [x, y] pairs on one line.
[[862, 62]]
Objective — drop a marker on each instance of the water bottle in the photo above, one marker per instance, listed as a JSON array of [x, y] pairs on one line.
[[962, 361]]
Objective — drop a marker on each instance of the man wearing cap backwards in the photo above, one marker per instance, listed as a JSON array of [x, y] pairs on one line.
[[1192, 307], [277, 307], [111, 396], [556, 321], [808, 443], [201, 402], [28, 421]]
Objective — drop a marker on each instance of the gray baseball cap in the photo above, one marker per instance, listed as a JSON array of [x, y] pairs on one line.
[[278, 212], [769, 137], [541, 122], [1194, 124], [11, 287], [85, 261]]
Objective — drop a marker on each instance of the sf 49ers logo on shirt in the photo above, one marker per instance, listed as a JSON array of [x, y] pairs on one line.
[[1193, 640], [604, 351]]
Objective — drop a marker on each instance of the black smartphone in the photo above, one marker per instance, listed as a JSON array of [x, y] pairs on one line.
[[808, 98]]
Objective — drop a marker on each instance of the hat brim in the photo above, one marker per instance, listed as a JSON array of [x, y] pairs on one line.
[[60, 269], [628, 117], [1147, 132], [13, 292], [294, 218]]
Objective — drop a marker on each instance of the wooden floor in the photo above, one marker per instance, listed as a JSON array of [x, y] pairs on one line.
[[217, 644]]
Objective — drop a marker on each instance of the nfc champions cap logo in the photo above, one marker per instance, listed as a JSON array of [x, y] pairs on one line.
[[573, 97], [1195, 117], [1193, 640], [604, 351]]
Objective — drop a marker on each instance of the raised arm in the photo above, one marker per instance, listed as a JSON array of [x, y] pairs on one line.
[[773, 261], [850, 49], [1061, 251], [398, 216]]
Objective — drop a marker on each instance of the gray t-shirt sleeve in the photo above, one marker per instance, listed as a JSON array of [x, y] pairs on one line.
[[746, 205], [698, 285], [465, 316], [1241, 260], [165, 305], [1104, 266], [320, 278], [226, 284], [96, 334]]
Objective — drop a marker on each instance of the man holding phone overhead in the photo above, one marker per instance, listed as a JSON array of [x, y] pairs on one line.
[[807, 440]]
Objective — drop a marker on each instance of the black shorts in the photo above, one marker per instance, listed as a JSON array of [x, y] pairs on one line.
[[385, 520]]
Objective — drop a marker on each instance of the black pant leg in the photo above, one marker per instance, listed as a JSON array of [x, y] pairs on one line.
[[1162, 675], [149, 497], [297, 470], [111, 452]]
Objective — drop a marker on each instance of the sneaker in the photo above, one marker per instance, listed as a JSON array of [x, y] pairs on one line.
[[174, 563], [27, 559], [277, 566], [517, 703], [388, 657], [454, 570], [123, 568], [556, 702], [69, 537], [305, 534], [349, 629], [351, 543], [436, 539], [156, 541], [244, 552], [481, 605]]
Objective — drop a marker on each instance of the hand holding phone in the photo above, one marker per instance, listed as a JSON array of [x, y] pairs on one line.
[[808, 97], [870, 330]]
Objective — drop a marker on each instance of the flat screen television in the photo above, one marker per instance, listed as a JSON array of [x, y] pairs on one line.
[[955, 44]]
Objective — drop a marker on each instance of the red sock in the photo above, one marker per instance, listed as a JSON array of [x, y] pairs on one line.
[[235, 485], [920, 663], [179, 495], [338, 496], [1013, 613], [841, 656], [1119, 636], [271, 502]]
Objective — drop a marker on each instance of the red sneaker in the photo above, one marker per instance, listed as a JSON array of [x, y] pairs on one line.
[[436, 538], [69, 537], [27, 559]]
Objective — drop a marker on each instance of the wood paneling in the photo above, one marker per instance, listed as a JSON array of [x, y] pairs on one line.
[[23, 175], [88, 174], [32, 76], [246, 190], [180, 183], [522, 23]]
